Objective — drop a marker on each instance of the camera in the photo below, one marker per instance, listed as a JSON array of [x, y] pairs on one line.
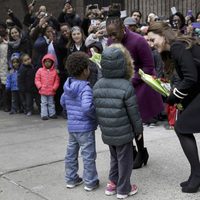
[[93, 22]]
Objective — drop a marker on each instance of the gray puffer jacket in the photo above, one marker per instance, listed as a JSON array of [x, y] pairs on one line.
[[115, 101]]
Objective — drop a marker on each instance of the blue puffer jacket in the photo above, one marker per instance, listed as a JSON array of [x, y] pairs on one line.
[[11, 81], [77, 99]]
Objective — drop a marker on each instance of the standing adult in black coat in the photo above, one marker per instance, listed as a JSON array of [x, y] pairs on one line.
[[184, 52]]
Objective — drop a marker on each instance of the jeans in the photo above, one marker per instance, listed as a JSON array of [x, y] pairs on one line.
[[47, 106], [86, 143], [15, 107]]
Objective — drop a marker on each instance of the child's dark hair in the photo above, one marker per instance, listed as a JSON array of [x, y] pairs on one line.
[[76, 63], [23, 55], [114, 18]]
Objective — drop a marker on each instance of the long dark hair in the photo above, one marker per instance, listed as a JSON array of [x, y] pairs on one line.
[[163, 29]]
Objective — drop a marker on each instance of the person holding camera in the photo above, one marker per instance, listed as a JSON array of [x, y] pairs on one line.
[[99, 36], [68, 15]]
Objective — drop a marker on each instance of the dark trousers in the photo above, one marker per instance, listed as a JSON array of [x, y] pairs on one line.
[[5, 98], [121, 166], [27, 101], [36, 97], [15, 106]]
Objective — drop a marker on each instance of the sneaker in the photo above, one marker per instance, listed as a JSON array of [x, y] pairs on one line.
[[89, 188], [110, 189], [53, 117], [44, 118], [73, 185], [152, 125], [133, 191], [29, 113], [12, 112], [168, 127]]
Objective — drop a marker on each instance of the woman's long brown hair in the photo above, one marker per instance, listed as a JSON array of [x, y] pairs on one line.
[[164, 29]]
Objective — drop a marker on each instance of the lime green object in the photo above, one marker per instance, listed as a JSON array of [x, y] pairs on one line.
[[154, 83], [96, 57], [157, 85]]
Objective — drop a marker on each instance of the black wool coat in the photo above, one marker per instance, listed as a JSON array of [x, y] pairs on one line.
[[187, 64]]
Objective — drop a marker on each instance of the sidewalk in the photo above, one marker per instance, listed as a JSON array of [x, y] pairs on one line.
[[32, 163]]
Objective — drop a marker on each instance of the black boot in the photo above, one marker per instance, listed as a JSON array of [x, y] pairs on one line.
[[193, 185], [141, 158]]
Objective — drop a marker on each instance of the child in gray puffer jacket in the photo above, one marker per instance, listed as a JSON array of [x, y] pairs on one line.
[[118, 117]]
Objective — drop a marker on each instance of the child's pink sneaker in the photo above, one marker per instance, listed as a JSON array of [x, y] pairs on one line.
[[110, 189], [133, 191]]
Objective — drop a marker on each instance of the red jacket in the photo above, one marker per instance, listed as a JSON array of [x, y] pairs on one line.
[[47, 80]]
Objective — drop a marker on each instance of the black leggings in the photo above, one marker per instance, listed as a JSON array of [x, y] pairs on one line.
[[189, 146]]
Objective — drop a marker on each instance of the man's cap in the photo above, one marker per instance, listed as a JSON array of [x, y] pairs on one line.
[[129, 21]]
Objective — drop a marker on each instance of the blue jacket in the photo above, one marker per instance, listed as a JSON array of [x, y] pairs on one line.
[[11, 81], [77, 100]]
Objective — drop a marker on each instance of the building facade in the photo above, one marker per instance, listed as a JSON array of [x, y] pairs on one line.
[[160, 7]]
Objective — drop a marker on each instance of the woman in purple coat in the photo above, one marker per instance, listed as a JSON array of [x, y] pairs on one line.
[[150, 102]]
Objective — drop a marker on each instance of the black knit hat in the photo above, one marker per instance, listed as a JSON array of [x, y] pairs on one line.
[[98, 45], [68, 1]]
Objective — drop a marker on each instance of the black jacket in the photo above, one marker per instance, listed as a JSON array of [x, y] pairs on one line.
[[187, 64], [115, 101], [26, 78], [72, 19]]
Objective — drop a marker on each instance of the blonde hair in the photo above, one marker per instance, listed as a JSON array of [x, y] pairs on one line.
[[128, 59]]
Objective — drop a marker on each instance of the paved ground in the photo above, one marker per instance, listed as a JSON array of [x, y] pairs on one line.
[[32, 166]]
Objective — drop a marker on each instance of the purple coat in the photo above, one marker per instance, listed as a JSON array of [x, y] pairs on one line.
[[149, 101], [77, 100]]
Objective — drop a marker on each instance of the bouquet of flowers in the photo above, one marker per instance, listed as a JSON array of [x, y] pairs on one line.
[[158, 85], [96, 57]]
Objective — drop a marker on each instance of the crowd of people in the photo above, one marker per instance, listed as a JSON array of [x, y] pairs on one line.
[[44, 61]]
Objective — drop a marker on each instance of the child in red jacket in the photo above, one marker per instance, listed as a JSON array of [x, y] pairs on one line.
[[47, 82]]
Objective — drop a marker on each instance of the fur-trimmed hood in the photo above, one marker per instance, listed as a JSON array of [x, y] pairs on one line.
[[116, 62]]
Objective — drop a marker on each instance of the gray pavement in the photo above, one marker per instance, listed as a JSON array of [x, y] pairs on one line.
[[32, 163]]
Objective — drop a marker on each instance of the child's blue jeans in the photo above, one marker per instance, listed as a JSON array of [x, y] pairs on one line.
[[47, 106], [86, 143]]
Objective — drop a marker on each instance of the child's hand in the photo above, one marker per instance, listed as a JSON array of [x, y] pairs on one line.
[[139, 137]]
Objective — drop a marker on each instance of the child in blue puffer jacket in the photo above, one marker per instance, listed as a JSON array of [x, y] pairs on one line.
[[77, 99], [12, 83]]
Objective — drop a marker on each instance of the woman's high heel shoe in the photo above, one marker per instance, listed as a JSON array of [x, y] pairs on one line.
[[193, 185], [185, 183], [141, 158]]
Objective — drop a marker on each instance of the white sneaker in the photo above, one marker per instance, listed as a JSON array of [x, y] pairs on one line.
[[89, 189], [134, 190], [73, 185], [110, 189]]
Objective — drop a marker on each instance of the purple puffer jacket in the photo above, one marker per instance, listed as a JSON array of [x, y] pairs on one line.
[[77, 100]]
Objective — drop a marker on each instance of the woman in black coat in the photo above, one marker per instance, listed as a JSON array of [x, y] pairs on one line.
[[19, 42], [185, 57]]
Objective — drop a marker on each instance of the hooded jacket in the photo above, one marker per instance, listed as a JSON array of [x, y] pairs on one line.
[[47, 80], [115, 100], [12, 76], [77, 99]]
